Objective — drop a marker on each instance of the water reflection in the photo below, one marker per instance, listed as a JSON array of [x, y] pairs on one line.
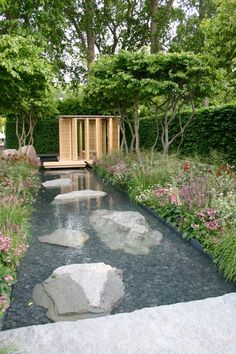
[[82, 180]]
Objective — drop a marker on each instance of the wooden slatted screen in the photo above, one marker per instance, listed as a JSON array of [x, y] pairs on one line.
[[65, 139]]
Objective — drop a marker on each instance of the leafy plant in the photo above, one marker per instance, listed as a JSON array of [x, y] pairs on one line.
[[224, 254]]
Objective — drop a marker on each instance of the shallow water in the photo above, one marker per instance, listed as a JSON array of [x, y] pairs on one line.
[[172, 272]]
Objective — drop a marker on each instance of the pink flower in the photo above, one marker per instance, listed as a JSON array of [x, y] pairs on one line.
[[8, 278], [3, 298], [173, 199], [5, 243], [160, 192], [210, 212], [212, 225]]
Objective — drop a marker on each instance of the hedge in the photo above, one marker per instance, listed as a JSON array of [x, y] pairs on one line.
[[46, 136], [211, 129]]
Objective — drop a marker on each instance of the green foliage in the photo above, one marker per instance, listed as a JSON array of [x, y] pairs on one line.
[[26, 82], [211, 129], [77, 105], [189, 33], [224, 254], [25, 76], [220, 32]]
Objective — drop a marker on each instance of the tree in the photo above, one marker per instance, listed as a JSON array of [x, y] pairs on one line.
[[176, 81], [26, 83], [116, 84], [189, 34], [166, 83], [161, 16], [75, 32], [220, 32]]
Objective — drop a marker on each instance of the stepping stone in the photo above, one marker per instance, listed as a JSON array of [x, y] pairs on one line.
[[80, 291], [59, 182], [125, 230], [66, 238], [78, 195]]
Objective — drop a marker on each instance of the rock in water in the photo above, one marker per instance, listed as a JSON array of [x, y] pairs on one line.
[[66, 237], [59, 182], [125, 230], [78, 195], [79, 291], [29, 151]]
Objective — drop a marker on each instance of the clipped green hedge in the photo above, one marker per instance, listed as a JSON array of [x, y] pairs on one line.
[[46, 136], [211, 129]]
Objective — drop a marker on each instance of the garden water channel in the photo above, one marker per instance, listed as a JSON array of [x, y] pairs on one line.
[[173, 271]]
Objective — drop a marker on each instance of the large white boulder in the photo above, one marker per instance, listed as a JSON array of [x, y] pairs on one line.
[[59, 182], [79, 291], [66, 238], [198, 327], [125, 230], [29, 151], [78, 195]]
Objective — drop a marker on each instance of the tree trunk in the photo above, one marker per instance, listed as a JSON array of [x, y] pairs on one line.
[[155, 142], [136, 131], [90, 48], [153, 31]]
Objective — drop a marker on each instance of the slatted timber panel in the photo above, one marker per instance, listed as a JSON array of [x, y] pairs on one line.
[[74, 141], [92, 138], [104, 136], [98, 148], [65, 139], [115, 135]]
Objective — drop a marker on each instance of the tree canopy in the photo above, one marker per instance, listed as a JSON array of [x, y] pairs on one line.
[[26, 82]]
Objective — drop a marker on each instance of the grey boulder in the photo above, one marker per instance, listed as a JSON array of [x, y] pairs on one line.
[[78, 195], [80, 291], [125, 230], [66, 238], [59, 182]]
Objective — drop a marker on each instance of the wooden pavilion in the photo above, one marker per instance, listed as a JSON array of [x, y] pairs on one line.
[[82, 139]]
